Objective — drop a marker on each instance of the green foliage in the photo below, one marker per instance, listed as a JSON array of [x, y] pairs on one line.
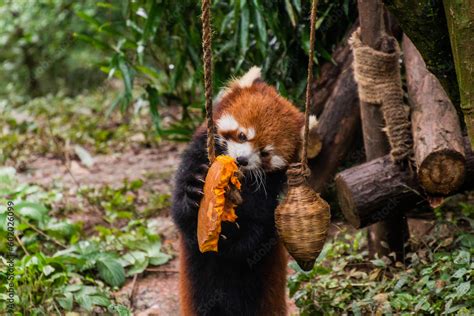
[[39, 53], [58, 268], [437, 279], [157, 45], [57, 124], [123, 202]]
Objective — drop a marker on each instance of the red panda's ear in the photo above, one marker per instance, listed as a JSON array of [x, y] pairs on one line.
[[254, 74], [314, 140]]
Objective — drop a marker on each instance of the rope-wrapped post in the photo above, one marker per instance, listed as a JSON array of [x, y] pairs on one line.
[[207, 60], [303, 218], [378, 79]]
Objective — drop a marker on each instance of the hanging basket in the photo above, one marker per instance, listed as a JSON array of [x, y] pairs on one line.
[[302, 219]]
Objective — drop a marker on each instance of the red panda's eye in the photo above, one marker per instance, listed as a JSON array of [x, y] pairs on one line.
[[264, 153], [242, 137]]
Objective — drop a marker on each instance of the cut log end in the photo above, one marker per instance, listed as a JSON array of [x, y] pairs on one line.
[[442, 172], [344, 197]]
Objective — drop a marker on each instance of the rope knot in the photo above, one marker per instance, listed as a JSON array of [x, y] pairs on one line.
[[297, 173]]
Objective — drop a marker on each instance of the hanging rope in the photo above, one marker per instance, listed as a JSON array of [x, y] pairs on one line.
[[207, 61], [298, 172], [303, 218], [312, 40], [378, 79]]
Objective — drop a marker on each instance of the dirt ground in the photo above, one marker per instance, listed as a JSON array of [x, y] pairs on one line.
[[153, 292]]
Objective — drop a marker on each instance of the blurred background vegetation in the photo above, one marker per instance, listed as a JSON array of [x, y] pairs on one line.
[[154, 48]]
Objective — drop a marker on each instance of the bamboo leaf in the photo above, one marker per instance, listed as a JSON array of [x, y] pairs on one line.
[[153, 100], [291, 12], [244, 27], [262, 29]]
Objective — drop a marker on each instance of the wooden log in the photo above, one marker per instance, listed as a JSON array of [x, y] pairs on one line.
[[460, 18], [337, 128], [437, 138], [375, 140], [378, 189]]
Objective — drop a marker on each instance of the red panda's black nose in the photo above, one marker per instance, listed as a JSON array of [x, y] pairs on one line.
[[242, 161]]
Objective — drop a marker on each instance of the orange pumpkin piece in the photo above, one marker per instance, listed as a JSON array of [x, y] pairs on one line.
[[215, 206]]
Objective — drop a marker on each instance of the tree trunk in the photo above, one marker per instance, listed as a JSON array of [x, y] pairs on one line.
[[393, 231], [437, 139], [425, 24], [378, 189], [460, 17], [330, 71], [337, 127]]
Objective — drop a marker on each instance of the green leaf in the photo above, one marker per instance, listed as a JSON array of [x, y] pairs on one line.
[[356, 309], [63, 229], [150, 72], [120, 310], [262, 29], [93, 41], [124, 6], [291, 12], [463, 288], [379, 263], [47, 270], [89, 19], [463, 257], [99, 300], [140, 262], [126, 74], [35, 211], [66, 301], [460, 273], [119, 100], [297, 5], [111, 271], [151, 22], [154, 100], [159, 259], [244, 27]]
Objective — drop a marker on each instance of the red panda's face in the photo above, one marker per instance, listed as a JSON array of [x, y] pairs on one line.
[[259, 128]]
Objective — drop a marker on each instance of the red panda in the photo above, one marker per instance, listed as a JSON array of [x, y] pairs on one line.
[[262, 131]]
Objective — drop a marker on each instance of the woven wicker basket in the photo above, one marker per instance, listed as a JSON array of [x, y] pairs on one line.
[[302, 220]]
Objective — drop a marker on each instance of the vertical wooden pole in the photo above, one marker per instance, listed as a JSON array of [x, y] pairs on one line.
[[389, 235], [460, 18]]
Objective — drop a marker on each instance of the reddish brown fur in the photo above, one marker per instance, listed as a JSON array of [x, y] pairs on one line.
[[274, 301], [187, 308]]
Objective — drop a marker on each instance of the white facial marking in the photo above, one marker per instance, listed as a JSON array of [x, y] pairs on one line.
[[227, 123], [251, 133], [247, 80], [236, 150], [269, 148], [278, 162]]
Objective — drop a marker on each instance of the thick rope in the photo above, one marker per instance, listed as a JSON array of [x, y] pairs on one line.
[[378, 79], [207, 61], [312, 39]]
